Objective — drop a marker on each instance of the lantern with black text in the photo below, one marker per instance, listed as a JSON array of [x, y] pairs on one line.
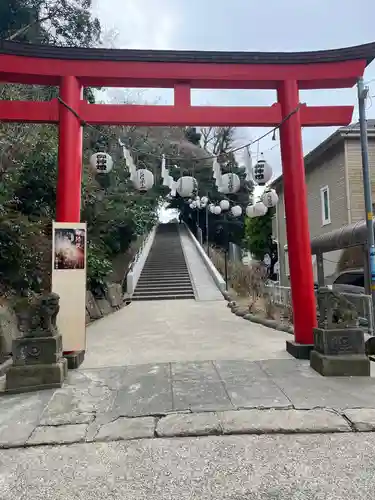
[[229, 184], [144, 180], [262, 172], [101, 163], [270, 198], [186, 186]]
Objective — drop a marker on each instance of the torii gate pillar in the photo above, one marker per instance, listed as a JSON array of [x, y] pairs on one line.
[[68, 196], [297, 222]]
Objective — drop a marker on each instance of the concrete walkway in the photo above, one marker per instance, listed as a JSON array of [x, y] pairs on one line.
[[178, 330], [204, 286], [185, 368]]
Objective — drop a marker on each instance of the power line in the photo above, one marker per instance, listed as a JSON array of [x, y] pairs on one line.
[[211, 157]]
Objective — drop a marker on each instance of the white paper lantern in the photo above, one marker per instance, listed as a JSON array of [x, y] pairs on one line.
[[229, 183], [217, 210], [262, 172], [204, 200], [224, 205], [101, 163], [236, 211], [186, 186], [144, 180], [250, 211], [260, 209], [270, 198], [211, 208]]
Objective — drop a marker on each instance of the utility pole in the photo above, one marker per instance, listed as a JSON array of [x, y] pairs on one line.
[[207, 238], [362, 94]]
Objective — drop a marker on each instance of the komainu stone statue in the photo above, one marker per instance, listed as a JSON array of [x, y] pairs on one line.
[[339, 348], [39, 320], [335, 310], [38, 361]]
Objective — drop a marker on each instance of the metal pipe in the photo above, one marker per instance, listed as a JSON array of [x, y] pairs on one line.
[[362, 94]]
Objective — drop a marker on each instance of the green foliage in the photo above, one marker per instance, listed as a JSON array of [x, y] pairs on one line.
[[25, 253], [59, 22], [98, 266], [258, 236]]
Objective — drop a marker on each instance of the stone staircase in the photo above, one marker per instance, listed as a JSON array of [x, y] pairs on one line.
[[165, 275]]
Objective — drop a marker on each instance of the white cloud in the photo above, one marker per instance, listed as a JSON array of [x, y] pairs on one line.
[[139, 24], [290, 25]]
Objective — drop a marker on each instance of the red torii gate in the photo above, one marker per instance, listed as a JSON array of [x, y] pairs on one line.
[[71, 69]]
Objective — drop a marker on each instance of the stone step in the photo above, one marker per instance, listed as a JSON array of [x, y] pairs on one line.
[[164, 267], [162, 277], [154, 283], [163, 272], [180, 291], [164, 286], [164, 297], [153, 277]]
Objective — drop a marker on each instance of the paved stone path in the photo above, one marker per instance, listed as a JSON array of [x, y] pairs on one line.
[[148, 383], [178, 330], [188, 399]]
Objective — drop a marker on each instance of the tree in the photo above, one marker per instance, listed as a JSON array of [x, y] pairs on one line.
[[58, 22], [258, 237], [216, 141]]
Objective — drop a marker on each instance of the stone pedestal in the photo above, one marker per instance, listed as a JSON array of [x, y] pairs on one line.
[[37, 364], [74, 359], [339, 352], [299, 351]]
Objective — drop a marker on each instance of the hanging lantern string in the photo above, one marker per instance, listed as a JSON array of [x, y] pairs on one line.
[[170, 158]]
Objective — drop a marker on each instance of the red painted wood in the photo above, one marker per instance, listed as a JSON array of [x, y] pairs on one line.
[[181, 114], [68, 197], [297, 222], [326, 116], [29, 111], [182, 95], [199, 75]]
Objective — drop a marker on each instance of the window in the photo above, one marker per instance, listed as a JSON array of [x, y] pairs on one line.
[[326, 210]]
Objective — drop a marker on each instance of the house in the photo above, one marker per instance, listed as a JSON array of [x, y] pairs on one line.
[[335, 193]]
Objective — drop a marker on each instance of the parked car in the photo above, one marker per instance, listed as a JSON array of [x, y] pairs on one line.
[[350, 281]]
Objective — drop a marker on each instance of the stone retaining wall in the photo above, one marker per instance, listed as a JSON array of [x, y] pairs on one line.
[[111, 302]]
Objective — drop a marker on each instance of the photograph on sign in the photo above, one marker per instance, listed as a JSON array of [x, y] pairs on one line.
[[69, 248]]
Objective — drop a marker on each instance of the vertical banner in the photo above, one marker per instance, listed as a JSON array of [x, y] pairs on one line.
[[69, 244]]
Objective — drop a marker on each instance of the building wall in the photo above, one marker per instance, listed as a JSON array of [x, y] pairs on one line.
[[354, 166], [328, 170]]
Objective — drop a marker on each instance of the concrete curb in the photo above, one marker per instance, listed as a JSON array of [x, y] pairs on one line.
[[254, 421]]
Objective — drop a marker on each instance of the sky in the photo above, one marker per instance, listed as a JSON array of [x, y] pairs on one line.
[[244, 25]]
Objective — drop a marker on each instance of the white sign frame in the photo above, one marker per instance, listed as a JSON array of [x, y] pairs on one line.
[[69, 276]]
